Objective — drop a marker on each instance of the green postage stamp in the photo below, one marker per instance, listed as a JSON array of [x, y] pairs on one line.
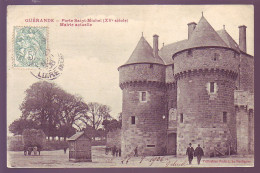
[[30, 44]]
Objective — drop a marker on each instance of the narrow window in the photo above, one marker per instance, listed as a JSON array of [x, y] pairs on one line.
[[143, 96], [181, 118], [132, 119], [151, 65], [224, 117], [212, 87], [216, 56], [173, 67]]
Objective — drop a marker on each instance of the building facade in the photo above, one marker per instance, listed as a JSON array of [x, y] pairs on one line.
[[192, 91]]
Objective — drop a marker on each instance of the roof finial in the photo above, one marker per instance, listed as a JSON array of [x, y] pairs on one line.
[[223, 26], [202, 13]]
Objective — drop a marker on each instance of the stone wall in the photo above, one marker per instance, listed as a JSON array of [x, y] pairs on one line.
[[142, 72], [149, 131], [246, 77], [203, 112], [242, 130], [244, 101], [169, 74], [172, 106], [202, 58]]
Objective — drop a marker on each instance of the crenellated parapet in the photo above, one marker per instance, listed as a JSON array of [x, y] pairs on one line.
[[196, 72], [138, 84], [210, 59]]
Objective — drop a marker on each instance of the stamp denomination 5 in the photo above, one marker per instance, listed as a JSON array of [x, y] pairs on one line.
[[30, 44]]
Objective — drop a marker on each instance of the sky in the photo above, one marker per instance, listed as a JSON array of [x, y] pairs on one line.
[[93, 54]]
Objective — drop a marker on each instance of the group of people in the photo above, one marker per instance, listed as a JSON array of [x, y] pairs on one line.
[[29, 150], [198, 152], [116, 151]]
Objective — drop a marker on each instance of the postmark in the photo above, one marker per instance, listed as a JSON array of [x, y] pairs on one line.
[[30, 45], [53, 68]]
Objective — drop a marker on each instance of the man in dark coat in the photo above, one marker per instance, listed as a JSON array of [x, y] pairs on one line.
[[190, 152], [135, 152], [114, 151], [198, 153], [25, 149]]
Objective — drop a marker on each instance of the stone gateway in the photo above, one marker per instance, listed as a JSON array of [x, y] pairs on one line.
[[198, 91]]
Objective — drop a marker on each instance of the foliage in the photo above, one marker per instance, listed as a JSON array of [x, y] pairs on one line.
[[19, 125], [48, 107], [33, 137], [53, 109], [110, 125]]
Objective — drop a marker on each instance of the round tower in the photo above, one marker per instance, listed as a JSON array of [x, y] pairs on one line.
[[205, 72], [142, 80]]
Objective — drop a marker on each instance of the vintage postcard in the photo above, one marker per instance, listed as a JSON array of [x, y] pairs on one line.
[[130, 86]]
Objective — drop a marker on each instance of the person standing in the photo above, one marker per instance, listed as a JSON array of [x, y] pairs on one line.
[[198, 153], [190, 152], [39, 150], [35, 150], [114, 150], [119, 152], [136, 152], [25, 149], [65, 150]]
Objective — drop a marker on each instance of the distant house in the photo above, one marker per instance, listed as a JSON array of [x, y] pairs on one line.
[[80, 147]]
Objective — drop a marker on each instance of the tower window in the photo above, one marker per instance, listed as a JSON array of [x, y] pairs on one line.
[[212, 88], [224, 117], [132, 119], [181, 118], [189, 53], [143, 96]]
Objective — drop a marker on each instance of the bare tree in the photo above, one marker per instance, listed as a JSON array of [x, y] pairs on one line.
[[95, 116]]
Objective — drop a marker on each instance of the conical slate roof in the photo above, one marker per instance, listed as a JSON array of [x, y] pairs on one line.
[[228, 39], [204, 35], [143, 53]]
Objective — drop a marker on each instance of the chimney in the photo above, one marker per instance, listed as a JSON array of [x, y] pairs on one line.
[[155, 45], [242, 38], [191, 27]]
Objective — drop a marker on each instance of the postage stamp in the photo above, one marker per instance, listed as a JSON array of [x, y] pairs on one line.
[[30, 44]]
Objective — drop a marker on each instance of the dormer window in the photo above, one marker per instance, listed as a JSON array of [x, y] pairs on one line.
[[189, 53]]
